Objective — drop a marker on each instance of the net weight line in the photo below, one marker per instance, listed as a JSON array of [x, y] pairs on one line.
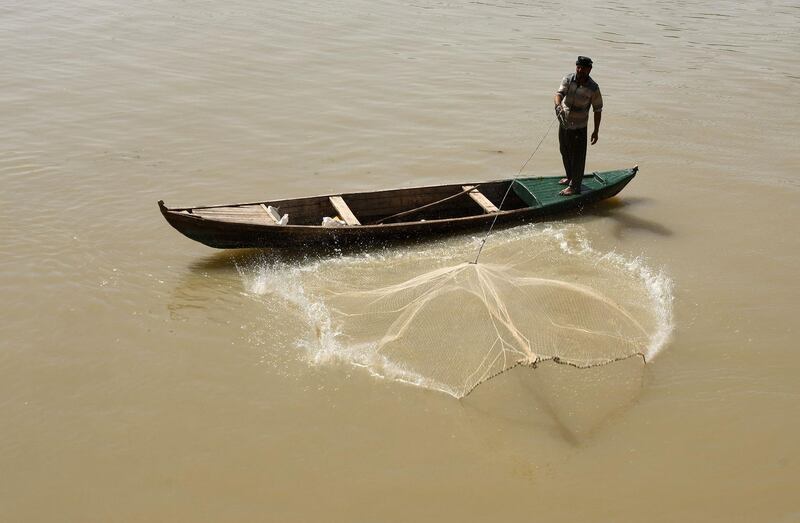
[[500, 207], [554, 359]]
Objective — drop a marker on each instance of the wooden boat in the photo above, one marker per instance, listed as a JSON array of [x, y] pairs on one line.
[[387, 216]]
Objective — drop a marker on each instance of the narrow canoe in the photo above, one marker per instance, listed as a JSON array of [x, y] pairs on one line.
[[383, 217]]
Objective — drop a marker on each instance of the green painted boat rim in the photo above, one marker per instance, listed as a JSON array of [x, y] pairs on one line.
[[539, 192]]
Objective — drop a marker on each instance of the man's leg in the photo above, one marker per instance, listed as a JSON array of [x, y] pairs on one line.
[[566, 155], [578, 158]]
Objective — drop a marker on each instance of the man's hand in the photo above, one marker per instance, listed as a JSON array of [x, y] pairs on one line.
[[597, 117], [561, 116]]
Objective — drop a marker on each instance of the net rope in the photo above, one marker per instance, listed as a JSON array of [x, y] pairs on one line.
[[508, 190]]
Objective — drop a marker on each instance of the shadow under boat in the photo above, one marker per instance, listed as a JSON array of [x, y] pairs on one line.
[[615, 209]]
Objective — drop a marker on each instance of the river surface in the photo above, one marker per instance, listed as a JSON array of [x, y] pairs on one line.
[[146, 377]]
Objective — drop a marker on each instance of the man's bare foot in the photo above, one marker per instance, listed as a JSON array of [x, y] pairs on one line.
[[569, 191], [563, 181]]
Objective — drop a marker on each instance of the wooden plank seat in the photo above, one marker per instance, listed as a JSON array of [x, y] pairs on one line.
[[344, 211], [272, 216], [487, 206], [254, 213]]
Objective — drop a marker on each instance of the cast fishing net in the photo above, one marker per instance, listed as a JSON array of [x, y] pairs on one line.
[[426, 316], [447, 322]]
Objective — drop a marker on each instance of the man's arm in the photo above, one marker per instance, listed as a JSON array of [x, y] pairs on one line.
[[561, 92], [597, 116], [597, 105]]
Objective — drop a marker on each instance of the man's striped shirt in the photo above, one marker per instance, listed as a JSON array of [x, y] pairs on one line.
[[577, 99]]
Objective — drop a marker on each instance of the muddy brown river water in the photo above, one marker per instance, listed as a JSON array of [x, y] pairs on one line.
[[145, 377]]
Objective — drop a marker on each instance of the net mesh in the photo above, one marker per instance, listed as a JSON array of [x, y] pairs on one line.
[[428, 318], [461, 325]]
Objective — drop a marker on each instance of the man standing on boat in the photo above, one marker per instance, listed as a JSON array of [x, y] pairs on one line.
[[572, 100]]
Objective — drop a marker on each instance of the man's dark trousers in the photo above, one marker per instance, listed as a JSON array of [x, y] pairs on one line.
[[572, 143]]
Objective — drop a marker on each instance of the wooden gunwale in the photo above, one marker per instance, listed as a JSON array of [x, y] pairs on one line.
[[387, 192]]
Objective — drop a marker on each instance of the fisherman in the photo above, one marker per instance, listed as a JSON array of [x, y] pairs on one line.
[[572, 100]]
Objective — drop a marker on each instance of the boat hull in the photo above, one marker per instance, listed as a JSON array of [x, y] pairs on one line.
[[222, 234]]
